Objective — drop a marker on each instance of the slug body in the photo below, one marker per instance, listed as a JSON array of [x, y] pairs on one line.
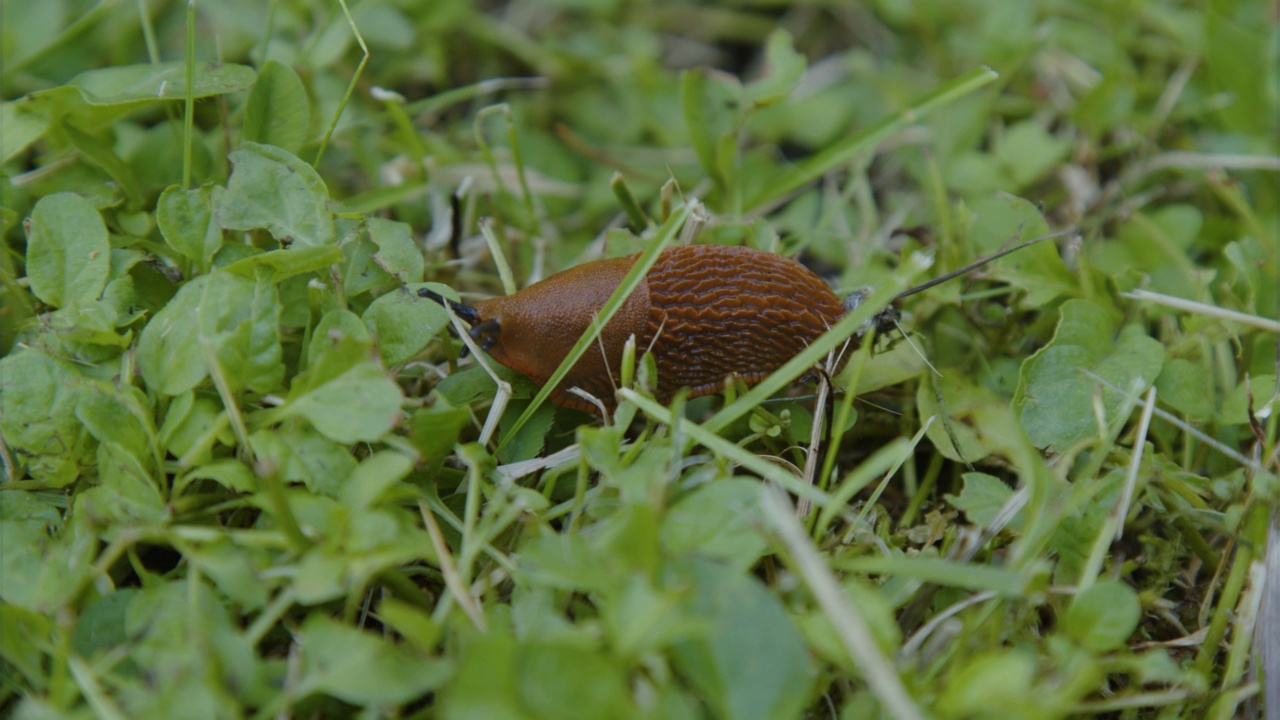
[[705, 312]]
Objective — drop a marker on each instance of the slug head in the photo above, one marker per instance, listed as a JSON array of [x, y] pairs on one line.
[[533, 330]]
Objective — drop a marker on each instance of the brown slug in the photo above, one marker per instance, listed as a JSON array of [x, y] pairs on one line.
[[705, 312]]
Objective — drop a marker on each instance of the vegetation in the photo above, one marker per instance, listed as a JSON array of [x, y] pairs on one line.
[[246, 472]]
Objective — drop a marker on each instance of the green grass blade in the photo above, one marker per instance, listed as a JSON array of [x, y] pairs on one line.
[[821, 163]]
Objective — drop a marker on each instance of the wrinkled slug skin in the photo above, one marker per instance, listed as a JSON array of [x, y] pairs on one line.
[[719, 310], [706, 312]]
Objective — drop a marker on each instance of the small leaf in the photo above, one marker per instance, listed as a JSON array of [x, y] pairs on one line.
[[710, 110], [233, 572], [21, 128], [239, 321], [564, 561], [38, 398], [1181, 385], [287, 262], [1055, 410], [169, 353], [981, 498], [763, 674], [783, 71], [571, 682], [347, 396], [403, 323], [186, 221], [373, 477], [100, 627], [1027, 151], [1235, 407], [435, 430], [718, 520], [271, 189], [231, 474], [160, 81], [102, 154], [303, 455], [987, 679], [397, 253], [336, 325], [278, 112], [1103, 616], [121, 416], [68, 255], [362, 668], [191, 421]]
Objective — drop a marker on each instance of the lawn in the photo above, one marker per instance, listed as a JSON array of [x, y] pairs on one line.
[[249, 472]]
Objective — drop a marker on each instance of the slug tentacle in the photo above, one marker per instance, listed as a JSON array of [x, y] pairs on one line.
[[466, 312]]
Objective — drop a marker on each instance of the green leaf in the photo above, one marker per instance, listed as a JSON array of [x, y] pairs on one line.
[[100, 627], [278, 112], [126, 494], [374, 477], [169, 353], [233, 572], [1102, 617], [720, 520], [564, 561], [403, 323], [190, 422], [21, 128], [529, 439], [101, 153], [303, 455], [161, 81], [272, 190], [412, 622], [989, 678], [642, 620], [783, 71], [1028, 152], [180, 636], [346, 395], [757, 675], [981, 498], [435, 430], [19, 646], [333, 327], [1181, 385], [231, 474], [121, 416], [38, 398], [1054, 408], [68, 256], [485, 685], [710, 109], [222, 317], [288, 262], [244, 331], [1241, 52], [1004, 219], [571, 682], [40, 572], [361, 668], [186, 221], [397, 253], [1235, 407]]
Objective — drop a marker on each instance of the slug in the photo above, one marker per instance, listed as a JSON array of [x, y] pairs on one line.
[[705, 312]]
